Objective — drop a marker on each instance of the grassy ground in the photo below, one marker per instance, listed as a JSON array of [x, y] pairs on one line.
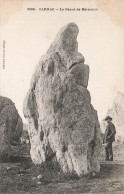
[[19, 175]]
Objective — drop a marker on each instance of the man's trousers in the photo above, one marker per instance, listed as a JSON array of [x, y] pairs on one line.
[[109, 152]]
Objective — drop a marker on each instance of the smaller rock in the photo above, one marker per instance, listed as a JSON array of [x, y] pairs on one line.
[[33, 178], [8, 168], [27, 141], [39, 183], [93, 174], [39, 176]]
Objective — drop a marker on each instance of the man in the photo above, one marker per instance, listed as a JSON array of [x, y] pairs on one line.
[[109, 137]]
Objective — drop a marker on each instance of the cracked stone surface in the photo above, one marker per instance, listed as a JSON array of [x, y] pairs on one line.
[[11, 126], [63, 125]]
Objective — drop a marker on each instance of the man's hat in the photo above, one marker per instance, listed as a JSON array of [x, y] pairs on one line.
[[108, 117]]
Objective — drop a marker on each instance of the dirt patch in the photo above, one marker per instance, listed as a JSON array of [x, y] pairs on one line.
[[22, 176]]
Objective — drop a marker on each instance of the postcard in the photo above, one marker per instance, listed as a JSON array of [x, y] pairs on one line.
[[61, 96]]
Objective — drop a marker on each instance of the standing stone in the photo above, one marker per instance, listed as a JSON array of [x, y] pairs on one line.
[[117, 114], [63, 125], [11, 126]]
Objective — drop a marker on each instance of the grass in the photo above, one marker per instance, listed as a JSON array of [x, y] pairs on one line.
[[19, 175]]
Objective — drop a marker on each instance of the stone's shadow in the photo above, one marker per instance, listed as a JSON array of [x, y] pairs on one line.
[[109, 170], [15, 159]]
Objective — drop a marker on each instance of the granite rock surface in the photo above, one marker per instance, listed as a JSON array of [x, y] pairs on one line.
[[11, 126], [63, 125]]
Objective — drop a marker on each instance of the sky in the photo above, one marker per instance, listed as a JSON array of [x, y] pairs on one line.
[[27, 35]]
